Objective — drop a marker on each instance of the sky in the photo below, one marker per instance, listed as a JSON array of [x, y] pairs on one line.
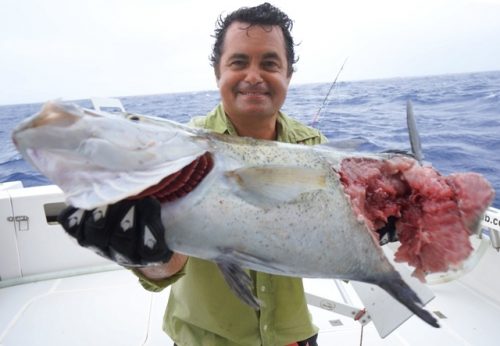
[[109, 48]]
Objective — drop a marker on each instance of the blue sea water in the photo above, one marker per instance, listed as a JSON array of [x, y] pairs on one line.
[[458, 117]]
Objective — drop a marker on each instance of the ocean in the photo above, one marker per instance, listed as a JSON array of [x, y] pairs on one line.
[[458, 117]]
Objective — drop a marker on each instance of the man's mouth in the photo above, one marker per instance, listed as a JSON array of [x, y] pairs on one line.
[[254, 93]]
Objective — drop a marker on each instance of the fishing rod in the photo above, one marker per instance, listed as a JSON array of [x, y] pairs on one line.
[[316, 117]]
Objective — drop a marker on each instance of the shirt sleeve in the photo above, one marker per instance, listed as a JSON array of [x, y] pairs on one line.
[[158, 285], [197, 122]]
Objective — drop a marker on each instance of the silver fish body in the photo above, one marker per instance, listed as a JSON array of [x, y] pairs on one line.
[[261, 217], [268, 206]]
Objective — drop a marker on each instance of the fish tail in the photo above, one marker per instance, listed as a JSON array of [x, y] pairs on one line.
[[397, 288]]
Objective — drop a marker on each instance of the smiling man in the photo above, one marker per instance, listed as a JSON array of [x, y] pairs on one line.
[[253, 77], [253, 59]]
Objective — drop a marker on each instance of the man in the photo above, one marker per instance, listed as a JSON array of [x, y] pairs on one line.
[[253, 59]]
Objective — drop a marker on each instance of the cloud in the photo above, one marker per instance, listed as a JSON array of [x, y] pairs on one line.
[[55, 48]]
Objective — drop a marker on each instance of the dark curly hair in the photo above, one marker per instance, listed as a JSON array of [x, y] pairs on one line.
[[265, 14]]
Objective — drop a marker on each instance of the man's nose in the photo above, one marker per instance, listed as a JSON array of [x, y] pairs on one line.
[[253, 75]]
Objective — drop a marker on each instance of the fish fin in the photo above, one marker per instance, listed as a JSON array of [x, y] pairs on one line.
[[393, 284], [264, 185], [238, 280], [231, 255], [416, 144], [399, 152]]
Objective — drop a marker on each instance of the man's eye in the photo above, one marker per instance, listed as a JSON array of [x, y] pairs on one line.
[[271, 65], [237, 63]]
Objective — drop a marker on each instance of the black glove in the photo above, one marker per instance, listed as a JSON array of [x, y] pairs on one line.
[[128, 232], [388, 233]]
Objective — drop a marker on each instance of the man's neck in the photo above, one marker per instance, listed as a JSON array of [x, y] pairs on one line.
[[257, 128]]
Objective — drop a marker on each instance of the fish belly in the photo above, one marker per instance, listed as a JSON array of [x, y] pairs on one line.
[[315, 235]]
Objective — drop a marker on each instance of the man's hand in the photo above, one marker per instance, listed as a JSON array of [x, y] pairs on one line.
[[128, 232]]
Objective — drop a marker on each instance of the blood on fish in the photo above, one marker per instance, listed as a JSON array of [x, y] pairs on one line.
[[179, 184], [432, 226]]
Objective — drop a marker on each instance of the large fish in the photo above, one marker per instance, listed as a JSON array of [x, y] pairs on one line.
[[279, 208]]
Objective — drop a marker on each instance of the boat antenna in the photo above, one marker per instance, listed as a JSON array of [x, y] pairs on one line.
[[316, 117]]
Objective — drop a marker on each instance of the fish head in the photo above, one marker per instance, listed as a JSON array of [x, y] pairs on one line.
[[98, 158]]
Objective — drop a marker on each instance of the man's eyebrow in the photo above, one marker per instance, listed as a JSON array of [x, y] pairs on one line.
[[238, 56], [271, 55], [268, 55]]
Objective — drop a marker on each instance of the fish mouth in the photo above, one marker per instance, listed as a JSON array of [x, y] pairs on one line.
[[180, 183]]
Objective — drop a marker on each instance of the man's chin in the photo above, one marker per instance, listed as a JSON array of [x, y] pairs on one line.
[[258, 112], [254, 98]]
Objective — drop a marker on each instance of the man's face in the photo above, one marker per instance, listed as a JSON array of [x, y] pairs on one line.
[[253, 72]]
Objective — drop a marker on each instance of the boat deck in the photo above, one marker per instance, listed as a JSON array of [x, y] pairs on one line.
[[111, 308]]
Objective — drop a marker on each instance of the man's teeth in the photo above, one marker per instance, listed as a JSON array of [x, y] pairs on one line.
[[252, 93]]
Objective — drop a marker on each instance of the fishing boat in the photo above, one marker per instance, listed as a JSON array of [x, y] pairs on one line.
[[53, 292]]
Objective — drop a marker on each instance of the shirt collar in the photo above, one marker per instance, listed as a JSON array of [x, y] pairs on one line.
[[289, 130]]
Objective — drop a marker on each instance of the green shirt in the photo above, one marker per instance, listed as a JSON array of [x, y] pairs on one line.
[[202, 310]]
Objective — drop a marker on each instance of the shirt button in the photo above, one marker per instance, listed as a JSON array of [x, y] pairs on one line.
[[262, 288], [265, 327]]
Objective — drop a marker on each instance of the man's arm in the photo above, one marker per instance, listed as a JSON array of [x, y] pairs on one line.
[[165, 270]]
